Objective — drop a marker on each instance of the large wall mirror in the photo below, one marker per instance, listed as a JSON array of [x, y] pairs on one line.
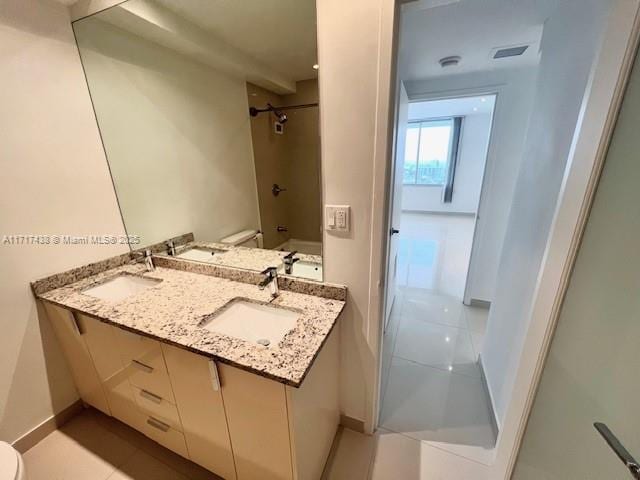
[[208, 111]]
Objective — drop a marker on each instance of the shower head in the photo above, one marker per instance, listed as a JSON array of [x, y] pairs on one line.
[[281, 116]]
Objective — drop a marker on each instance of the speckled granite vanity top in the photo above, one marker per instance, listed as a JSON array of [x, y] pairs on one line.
[[171, 311]]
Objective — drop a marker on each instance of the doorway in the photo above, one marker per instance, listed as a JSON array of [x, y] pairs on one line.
[[533, 248], [432, 340]]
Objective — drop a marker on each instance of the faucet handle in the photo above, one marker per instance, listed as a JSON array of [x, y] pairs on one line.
[[142, 254], [289, 256], [271, 271]]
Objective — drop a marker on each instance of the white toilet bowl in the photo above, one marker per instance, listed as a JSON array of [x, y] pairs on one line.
[[11, 465]]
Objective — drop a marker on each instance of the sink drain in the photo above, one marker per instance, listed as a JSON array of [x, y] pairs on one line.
[[264, 341]]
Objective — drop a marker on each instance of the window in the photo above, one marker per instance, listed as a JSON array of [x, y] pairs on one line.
[[427, 152]]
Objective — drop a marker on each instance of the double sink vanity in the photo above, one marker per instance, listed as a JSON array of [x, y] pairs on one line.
[[219, 344], [204, 361]]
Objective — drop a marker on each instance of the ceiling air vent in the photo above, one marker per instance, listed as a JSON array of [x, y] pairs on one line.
[[449, 61], [510, 51]]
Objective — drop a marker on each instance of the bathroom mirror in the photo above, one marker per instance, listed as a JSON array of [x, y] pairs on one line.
[[208, 112]]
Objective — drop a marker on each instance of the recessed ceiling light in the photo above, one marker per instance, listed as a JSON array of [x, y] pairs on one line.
[[483, 99], [316, 66], [475, 109], [451, 61]]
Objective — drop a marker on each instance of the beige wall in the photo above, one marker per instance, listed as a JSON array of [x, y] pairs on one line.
[[269, 152], [302, 137], [353, 43], [292, 161], [176, 133], [54, 181]]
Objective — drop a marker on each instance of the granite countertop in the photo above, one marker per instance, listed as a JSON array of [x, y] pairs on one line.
[[171, 311]]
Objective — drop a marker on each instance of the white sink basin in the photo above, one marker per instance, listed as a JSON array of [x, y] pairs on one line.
[[199, 255], [253, 322], [120, 287], [310, 270]]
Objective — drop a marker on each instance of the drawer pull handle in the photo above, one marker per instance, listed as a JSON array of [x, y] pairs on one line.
[[142, 366], [150, 396], [155, 423]]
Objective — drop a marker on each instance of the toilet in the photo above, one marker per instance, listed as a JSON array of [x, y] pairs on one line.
[[11, 465], [245, 238]]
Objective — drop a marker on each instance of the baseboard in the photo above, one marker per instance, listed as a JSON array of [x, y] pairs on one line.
[[29, 439], [352, 423], [434, 212], [495, 424], [474, 302]]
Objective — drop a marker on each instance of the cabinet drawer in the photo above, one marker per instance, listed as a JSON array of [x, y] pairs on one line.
[[158, 408], [166, 436], [145, 364]]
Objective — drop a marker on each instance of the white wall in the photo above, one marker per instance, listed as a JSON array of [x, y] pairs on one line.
[[594, 351], [176, 133], [349, 93], [570, 39], [474, 139], [515, 90], [54, 181]]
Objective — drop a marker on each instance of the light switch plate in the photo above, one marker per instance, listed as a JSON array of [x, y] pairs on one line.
[[337, 218]]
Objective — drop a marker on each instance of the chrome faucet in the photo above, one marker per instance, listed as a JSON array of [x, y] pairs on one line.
[[288, 261], [271, 279], [171, 248], [146, 257]]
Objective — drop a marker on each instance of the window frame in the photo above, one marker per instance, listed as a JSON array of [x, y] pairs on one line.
[[420, 121]]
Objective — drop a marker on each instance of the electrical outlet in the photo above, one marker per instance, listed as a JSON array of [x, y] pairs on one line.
[[337, 218]]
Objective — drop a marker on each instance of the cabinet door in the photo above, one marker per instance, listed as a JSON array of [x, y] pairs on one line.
[[257, 417], [101, 341], [70, 335], [201, 410]]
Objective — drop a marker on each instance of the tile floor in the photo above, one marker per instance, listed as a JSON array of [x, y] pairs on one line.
[[433, 397], [93, 446]]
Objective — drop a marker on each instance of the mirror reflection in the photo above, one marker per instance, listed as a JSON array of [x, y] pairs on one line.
[[209, 117]]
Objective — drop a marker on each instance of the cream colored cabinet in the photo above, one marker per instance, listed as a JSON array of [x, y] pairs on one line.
[[147, 373], [101, 342], [69, 330], [280, 432], [237, 424], [197, 392]]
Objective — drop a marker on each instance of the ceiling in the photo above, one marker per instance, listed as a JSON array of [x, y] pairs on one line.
[[271, 43], [278, 33], [464, 106], [471, 29]]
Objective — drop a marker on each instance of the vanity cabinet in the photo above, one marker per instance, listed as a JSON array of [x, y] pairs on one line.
[[197, 391], [237, 424], [68, 328]]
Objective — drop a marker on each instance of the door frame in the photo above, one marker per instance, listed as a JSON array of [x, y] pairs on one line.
[[601, 104], [496, 90]]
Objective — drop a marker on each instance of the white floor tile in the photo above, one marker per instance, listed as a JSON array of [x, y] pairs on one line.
[[429, 404], [434, 252], [401, 457], [439, 346], [434, 308]]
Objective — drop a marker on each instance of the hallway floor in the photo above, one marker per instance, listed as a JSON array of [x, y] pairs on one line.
[[432, 389]]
